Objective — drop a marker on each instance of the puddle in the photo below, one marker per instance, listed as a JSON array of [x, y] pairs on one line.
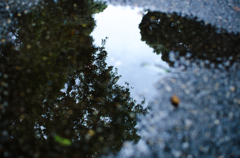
[[127, 52], [60, 95]]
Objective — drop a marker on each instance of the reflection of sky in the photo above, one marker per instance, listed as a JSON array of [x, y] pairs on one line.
[[126, 51]]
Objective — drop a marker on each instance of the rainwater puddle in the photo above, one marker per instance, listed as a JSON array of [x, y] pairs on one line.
[[133, 58], [60, 95]]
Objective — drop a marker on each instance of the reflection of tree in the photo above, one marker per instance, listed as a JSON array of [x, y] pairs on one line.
[[171, 32], [107, 108], [53, 46]]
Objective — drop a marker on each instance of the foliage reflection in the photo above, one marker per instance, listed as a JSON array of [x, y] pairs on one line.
[[170, 32], [58, 98]]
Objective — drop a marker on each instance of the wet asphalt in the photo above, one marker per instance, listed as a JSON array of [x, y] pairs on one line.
[[206, 121], [220, 13]]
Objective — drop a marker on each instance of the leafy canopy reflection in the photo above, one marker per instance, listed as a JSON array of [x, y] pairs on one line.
[[185, 35], [58, 98]]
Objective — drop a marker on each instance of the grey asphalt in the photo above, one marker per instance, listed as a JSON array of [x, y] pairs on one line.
[[220, 13]]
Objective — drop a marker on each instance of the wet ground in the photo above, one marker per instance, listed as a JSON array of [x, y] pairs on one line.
[[60, 95], [221, 13]]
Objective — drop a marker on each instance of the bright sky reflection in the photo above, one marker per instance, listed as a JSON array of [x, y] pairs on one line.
[[126, 51]]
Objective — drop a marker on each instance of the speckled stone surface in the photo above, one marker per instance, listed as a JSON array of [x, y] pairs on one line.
[[206, 122], [7, 10], [221, 13]]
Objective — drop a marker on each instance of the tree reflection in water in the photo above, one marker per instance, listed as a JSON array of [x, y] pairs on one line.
[[185, 35], [53, 50]]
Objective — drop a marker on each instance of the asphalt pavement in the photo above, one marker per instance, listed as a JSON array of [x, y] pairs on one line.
[[220, 13]]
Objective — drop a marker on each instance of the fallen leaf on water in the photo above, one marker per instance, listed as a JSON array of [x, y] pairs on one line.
[[62, 141]]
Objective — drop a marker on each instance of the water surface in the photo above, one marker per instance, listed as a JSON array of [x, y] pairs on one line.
[[61, 96]]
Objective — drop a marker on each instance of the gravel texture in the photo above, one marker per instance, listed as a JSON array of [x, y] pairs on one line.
[[205, 123], [221, 13]]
